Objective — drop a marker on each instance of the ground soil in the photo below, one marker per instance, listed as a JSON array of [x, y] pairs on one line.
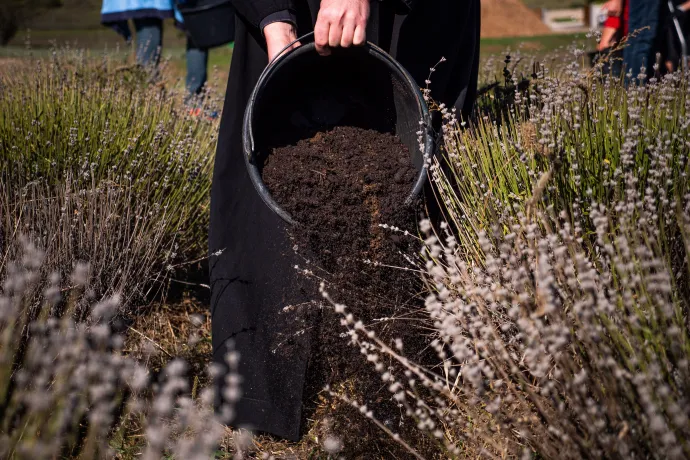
[[510, 18], [341, 185]]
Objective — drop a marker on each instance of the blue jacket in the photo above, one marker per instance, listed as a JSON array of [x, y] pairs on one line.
[[116, 13]]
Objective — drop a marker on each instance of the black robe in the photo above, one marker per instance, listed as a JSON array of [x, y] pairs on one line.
[[251, 260]]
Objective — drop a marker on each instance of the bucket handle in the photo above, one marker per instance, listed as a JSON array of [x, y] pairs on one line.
[[309, 35]]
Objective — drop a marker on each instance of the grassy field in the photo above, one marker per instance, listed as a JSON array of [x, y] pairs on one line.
[[101, 39], [562, 276], [77, 24], [559, 278], [174, 42], [539, 43]]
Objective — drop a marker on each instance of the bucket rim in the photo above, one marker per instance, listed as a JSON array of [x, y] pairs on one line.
[[248, 142]]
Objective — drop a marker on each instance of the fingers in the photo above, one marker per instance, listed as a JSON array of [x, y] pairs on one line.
[[360, 36], [335, 35], [340, 23], [327, 36], [321, 37], [348, 34]]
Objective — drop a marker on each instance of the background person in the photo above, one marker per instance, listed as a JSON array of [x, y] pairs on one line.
[[644, 40], [615, 27], [251, 259], [616, 24], [148, 17], [672, 48]]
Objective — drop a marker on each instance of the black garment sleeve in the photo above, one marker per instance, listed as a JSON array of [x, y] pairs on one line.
[[280, 16], [254, 11]]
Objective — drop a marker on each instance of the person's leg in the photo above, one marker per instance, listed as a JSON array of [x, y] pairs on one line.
[[252, 271], [148, 41], [448, 30], [644, 25], [197, 63], [671, 49], [685, 30], [252, 265]]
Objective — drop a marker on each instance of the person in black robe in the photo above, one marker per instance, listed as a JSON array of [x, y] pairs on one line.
[[251, 261]]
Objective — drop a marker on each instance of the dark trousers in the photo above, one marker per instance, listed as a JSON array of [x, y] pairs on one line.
[[642, 48], [149, 42], [672, 49]]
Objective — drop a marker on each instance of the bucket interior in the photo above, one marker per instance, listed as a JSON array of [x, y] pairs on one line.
[[307, 93]]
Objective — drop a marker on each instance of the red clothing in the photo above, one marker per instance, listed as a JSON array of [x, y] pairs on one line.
[[618, 22]]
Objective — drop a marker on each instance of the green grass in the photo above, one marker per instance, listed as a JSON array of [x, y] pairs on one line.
[[77, 24], [174, 44], [542, 43], [73, 14], [90, 36], [95, 42]]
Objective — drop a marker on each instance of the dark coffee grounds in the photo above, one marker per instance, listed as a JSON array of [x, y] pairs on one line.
[[341, 186]]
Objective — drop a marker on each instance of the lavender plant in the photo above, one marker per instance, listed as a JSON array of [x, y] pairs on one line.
[[67, 389], [558, 286], [97, 165]]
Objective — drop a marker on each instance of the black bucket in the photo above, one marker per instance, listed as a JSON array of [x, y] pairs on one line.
[[358, 86], [209, 23]]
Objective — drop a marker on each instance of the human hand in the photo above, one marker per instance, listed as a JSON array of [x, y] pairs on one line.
[[279, 35], [341, 23], [608, 39], [614, 7]]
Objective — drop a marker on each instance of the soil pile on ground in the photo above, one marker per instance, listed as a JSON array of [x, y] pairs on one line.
[[510, 18], [341, 185]]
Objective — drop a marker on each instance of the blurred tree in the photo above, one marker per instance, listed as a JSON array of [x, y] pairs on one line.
[[14, 14]]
